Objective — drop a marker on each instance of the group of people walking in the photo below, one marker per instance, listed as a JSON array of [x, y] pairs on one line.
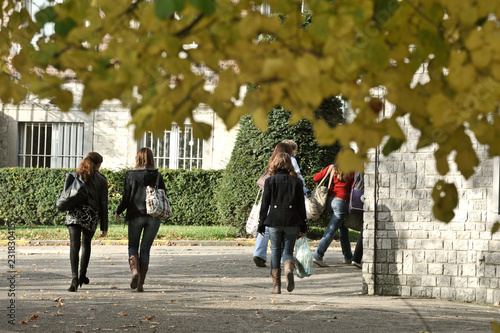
[[82, 220], [282, 216]]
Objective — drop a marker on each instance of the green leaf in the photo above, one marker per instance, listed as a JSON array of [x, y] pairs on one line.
[[206, 6], [62, 28], [165, 8], [45, 15]]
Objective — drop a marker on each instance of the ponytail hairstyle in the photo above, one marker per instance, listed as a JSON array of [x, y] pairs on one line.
[[281, 147], [145, 158], [89, 165], [282, 161]]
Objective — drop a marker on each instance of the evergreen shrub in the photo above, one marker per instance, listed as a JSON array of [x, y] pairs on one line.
[[252, 151]]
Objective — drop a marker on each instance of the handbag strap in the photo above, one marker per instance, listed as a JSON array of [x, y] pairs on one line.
[[328, 172], [257, 197], [157, 180]]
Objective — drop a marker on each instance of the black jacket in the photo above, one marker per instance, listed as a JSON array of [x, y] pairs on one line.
[[283, 202], [134, 194], [98, 197]]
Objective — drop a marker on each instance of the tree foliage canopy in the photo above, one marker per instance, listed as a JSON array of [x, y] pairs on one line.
[[137, 51]]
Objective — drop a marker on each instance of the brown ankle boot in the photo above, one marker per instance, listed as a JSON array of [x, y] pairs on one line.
[[276, 276], [289, 268], [142, 278], [134, 267]]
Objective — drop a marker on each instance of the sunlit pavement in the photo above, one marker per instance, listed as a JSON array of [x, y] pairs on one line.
[[211, 289]]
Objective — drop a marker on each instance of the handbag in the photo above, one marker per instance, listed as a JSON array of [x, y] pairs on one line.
[[253, 219], [157, 204], [357, 199], [315, 205], [354, 221], [303, 258], [75, 193]]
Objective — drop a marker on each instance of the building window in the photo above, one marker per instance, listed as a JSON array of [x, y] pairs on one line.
[[177, 149], [50, 145]]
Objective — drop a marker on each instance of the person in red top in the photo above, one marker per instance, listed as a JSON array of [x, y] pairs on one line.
[[337, 205]]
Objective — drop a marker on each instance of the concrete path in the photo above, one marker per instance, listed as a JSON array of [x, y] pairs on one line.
[[210, 289]]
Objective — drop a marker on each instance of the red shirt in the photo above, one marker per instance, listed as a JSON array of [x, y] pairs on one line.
[[338, 188]]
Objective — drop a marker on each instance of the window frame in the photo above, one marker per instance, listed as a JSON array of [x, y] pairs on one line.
[[177, 149], [60, 147]]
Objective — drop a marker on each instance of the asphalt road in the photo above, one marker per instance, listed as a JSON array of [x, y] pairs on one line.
[[210, 289]]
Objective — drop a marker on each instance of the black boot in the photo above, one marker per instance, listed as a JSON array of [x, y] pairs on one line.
[[74, 285], [83, 279]]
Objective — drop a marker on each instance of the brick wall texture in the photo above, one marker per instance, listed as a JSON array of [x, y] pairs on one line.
[[407, 252]]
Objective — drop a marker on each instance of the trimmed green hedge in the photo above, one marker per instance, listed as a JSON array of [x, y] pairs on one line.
[[28, 195]]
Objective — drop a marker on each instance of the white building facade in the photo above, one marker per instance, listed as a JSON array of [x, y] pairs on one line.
[[37, 134]]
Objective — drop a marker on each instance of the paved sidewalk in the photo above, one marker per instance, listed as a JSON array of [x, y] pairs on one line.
[[212, 289]]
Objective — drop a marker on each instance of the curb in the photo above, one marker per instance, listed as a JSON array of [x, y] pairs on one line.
[[162, 242]]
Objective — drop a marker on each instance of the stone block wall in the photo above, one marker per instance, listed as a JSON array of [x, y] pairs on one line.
[[407, 251]]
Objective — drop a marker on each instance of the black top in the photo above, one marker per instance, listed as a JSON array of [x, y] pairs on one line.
[[98, 197], [134, 195], [283, 202]]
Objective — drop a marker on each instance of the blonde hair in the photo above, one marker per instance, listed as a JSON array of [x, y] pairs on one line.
[[282, 161], [292, 144]]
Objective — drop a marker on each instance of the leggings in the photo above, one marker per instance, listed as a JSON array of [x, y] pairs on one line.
[[76, 234]]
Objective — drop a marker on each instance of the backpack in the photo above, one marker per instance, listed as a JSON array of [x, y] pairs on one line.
[[357, 199], [75, 193]]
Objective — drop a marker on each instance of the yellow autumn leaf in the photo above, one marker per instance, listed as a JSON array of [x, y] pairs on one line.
[[259, 116], [466, 158], [349, 162]]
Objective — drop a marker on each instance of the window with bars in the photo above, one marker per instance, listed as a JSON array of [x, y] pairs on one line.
[[177, 149], [50, 145]]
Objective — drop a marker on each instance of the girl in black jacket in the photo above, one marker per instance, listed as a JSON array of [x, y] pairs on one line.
[[283, 211], [134, 201], [82, 220]]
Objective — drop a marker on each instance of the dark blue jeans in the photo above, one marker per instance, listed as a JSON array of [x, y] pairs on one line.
[[148, 227]]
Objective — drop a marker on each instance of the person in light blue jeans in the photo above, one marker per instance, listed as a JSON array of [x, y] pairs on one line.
[[337, 205], [260, 249], [338, 209]]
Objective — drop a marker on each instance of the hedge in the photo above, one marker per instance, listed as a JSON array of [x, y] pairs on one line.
[[28, 195]]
